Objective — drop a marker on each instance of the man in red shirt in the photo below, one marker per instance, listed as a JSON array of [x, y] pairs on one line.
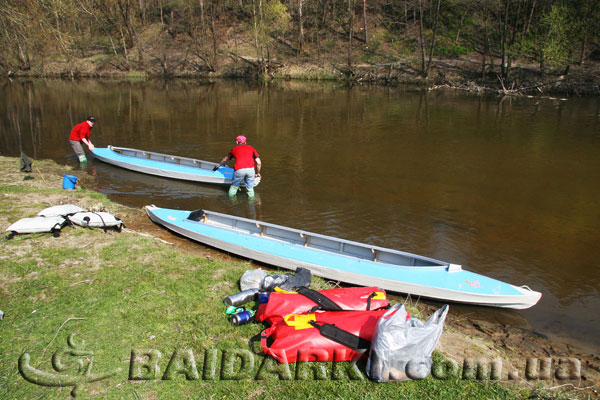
[[245, 158], [81, 134]]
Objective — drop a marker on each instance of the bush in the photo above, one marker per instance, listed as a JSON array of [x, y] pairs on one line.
[[446, 47]]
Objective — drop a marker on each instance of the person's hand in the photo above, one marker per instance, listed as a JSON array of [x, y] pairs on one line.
[[216, 167], [91, 147], [258, 175]]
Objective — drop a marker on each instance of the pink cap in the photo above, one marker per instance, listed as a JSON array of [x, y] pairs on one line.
[[241, 139]]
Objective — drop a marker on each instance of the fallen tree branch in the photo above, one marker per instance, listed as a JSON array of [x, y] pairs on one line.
[[56, 334]]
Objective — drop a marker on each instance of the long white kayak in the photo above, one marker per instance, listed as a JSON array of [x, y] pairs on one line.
[[343, 260], [165, 165]]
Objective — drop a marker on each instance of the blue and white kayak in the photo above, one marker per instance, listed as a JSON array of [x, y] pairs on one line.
[[343, 260], [165, 165]]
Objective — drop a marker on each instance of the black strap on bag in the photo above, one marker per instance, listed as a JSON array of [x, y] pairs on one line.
[[323, 302], [101, 219], [338, 335], [369, 300]]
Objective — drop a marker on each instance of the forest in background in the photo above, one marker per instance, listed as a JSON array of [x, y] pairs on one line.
[[319, 39]]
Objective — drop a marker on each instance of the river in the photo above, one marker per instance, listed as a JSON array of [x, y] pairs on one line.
[[506, 186]]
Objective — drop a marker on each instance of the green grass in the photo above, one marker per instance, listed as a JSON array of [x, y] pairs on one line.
[[121, 294], [137, 75]]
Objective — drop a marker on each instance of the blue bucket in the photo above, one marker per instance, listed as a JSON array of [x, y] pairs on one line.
[[69, 181]]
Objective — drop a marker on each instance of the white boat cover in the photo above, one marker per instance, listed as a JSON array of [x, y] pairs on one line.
[[37, 224], [60, 210], [96, 219]]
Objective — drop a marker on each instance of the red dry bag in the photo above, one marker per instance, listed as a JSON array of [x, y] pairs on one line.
[[321, 336], [307, 300]]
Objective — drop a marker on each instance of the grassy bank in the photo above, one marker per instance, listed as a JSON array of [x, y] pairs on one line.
[[128, 315]]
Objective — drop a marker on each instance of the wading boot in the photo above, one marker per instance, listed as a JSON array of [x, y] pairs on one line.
[[233, 190]]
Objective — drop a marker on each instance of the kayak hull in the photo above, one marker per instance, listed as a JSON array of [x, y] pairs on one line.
[[164, 165], [353, 263]]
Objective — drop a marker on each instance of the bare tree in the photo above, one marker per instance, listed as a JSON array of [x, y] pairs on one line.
[[350, 30], [435, 29], [422, 39], [300, 29], [126, 11], [365, 21]]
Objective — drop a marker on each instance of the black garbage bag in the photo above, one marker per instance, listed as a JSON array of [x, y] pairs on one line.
[[26, 163], [300, 278]]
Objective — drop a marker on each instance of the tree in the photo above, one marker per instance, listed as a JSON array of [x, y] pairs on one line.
[[269, 19], [425, 67], [585, 17], [126, 10], [14, 40], [365, 22], [300, 28], [553, 43], [350, 31]]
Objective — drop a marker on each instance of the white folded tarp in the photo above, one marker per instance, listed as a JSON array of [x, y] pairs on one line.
[[37, 225], [61, 210], [96, 219]]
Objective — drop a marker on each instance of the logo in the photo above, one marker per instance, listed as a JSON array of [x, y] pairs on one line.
[[74, 358]]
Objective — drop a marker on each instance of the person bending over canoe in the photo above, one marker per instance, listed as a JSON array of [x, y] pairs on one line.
[[245, 158], [81, 134]]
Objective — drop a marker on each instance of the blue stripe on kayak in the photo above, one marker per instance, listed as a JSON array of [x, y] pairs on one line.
[[464, 281], [165, 166]]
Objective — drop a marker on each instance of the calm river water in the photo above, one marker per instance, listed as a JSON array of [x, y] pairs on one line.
[[507, 187]]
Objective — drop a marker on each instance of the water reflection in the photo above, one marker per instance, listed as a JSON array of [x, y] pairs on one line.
[[508, 187]]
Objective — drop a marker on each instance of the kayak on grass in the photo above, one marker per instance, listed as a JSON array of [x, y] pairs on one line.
[[343, 260]]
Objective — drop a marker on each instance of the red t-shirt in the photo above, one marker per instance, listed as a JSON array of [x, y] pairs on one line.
[[244, 155], [81, 131]]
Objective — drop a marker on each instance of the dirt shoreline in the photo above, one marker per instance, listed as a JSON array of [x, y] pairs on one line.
[[465, 341], [459, 73]]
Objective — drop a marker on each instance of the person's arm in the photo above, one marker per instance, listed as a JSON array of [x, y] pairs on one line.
[[258, 165], [88, 143], [223, 162]]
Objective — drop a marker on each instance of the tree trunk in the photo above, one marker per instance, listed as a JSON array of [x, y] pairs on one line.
[[142, 11], [255, 25], [503, 69], [127, 15], [485, 42], [422, 40], [435, 28], [530, 16], [365, 21], [350, 30], [300, 29], [137, 41], [460, 25], [516, 25], [24, 57], [213, 32], [202, 22], [260, 24], [124, 46], [325, 10], [582, 53], [415, 12]]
